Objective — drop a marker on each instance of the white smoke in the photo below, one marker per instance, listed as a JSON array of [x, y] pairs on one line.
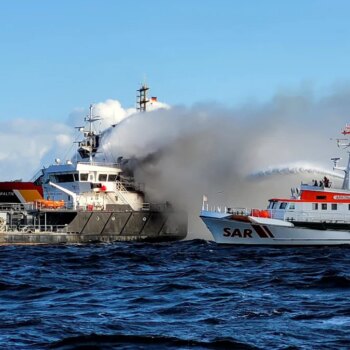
[[111, 112], [154, 104], [209, 149]]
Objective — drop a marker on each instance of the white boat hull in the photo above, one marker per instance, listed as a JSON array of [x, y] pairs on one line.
[[228, 231]]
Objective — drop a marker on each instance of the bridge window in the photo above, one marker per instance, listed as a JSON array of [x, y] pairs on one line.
[[102, 177], [314, 206], [283, 205], [84, 177], [76, 177], [324, 206], [334, 206], [64, 177], [292, 206], [112, 177]]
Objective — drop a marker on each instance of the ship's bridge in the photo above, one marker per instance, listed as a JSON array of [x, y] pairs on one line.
[[313, 203], [81, 179], [82, 172], [85, 184]]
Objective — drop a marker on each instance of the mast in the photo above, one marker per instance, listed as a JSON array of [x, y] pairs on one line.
[[90, 135], [142, 99], [89, 145], [344, 143]]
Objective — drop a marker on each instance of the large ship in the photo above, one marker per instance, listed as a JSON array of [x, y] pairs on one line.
[[85, 200], [315, 214]]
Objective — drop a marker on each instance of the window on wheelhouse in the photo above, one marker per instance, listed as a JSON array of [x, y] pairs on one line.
[[64, 177], [324, 206], [314, 206], [334, 206], [283, 205], [273, 205], [102, 177], [292, 206], [112, 177], [76, 177], [84, 177]]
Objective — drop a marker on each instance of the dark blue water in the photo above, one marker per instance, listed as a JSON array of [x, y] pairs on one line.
[[185, 295]]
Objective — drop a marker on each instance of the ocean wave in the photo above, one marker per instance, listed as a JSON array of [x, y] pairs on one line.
[[191, 294]]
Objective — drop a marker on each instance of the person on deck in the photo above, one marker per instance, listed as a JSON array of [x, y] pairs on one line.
[[326, 181]]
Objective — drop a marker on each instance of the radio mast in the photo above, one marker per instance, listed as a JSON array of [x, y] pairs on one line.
[[142, 99]]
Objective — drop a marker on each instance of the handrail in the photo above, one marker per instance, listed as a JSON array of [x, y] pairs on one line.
[[100, 164], [316, 217], [17, 206], [121, 189], [290, 215], [35, 228]]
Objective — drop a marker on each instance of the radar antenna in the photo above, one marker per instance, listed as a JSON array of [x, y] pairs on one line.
[[335, 161]]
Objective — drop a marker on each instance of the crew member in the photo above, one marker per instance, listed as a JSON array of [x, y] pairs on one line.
[[326, 181]]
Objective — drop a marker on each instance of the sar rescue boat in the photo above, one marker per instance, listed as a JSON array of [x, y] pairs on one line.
[[315, 214]]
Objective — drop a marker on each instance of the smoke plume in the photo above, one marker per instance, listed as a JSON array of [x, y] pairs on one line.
[[184, 153]]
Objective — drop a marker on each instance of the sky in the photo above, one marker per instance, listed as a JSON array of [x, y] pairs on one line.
[[57, 56], [244, 56]]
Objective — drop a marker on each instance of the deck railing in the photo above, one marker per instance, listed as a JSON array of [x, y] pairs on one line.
[[293, 215], [34, 228], [312, 216], [16, 206]]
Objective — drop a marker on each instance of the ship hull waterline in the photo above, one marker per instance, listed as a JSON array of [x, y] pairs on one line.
[[49, 238], [72, 227], [227, 231]]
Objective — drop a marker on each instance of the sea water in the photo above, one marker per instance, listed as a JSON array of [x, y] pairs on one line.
[[183, 295]]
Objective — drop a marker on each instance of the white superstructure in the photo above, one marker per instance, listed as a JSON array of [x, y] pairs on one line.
[[88, 184]]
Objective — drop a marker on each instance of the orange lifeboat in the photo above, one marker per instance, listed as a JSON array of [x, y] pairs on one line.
[[260, 213], [255, 212], [265, 214], [49, 204]]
